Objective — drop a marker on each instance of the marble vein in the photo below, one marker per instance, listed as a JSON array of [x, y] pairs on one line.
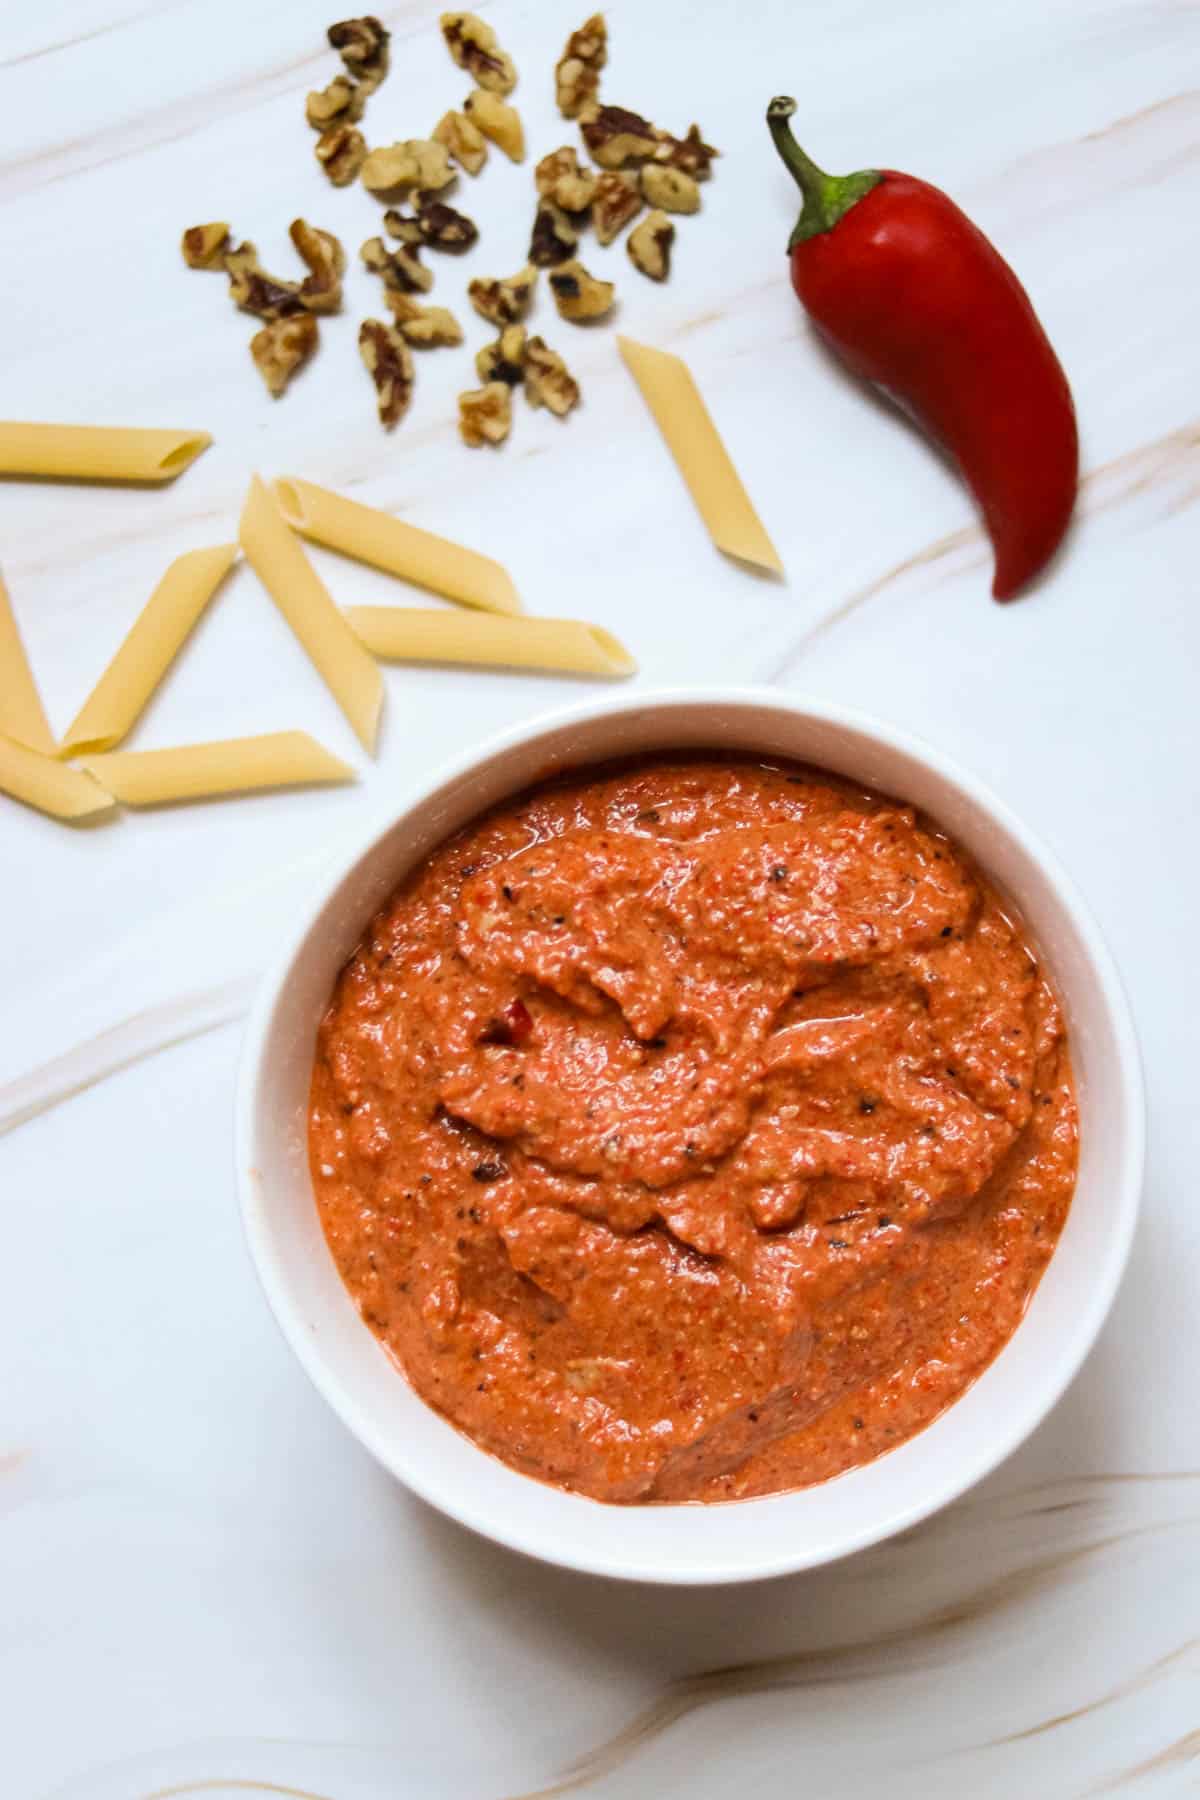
[[1168, 466], [869, 1659], [143, 1034]]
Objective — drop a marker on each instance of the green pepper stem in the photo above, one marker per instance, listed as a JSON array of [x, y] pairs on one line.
[[827, 198]]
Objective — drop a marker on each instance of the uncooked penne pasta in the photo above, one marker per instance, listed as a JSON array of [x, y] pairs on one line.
[[679, 411], [278, 759], [98, 452], [21, 714], [409, 634], [49, 785], [148, 651], [398, 548], [350, 674]]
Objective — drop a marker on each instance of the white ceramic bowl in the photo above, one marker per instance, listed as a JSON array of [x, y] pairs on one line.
[[690, 1543]]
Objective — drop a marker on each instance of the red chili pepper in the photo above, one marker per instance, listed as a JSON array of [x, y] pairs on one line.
[[914, 298], [513, 1027]]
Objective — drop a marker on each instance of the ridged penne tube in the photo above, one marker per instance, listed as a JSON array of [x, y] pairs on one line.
[[670, 392], [398, 548], [21, 714], [278, 759], [49, 785], [98, 452], [569, 646], [149, 649], [274, 551]]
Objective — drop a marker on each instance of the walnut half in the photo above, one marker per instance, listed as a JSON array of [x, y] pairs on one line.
[[282, 347], [503, 360], [670, 188], [577, 72], [402, 270], [341, 152], [362, 45], [615, 136], [616, 201], [504, 301], [547, 381], [485, 414], [415, 163], [498, 121], [558, 177], [465, 142], [424, 327], [321, 289], [442, 228], [649, 246], [578, 295], [204, 246], [690, 153], [388, 361], [254, 291], [476, 48], [554, 238], [339, 103]]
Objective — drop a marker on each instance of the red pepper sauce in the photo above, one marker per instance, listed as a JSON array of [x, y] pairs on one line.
[[693, 1130]]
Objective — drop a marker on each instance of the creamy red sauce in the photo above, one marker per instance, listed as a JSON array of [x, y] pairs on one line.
[[693, 1130]]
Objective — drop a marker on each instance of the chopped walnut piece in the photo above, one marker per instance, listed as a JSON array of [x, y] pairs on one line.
[[554, 237], [503, 360], [617, 200], [547, 382], [341, 152], [416, 163], [498, 121], [254, 291], [560, 178], [362, 45], [465, 142], [578, 295], [404, 226], [282, 347], [320, 291], [424, 327], [476, 48], [670, 188], [204, 246], [442, 228], [649, 246], [388, 361], [577, 72], [340, 103], [402, 270], [615, 136], [691, 154], [504, 301], [485, 414]]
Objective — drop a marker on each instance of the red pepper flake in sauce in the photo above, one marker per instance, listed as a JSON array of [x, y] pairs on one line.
[[702, 1060]]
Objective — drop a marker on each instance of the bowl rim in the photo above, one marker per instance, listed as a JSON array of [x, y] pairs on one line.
[[509, 1531]]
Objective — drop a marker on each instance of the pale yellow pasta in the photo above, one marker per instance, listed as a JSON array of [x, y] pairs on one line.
[[155, 639], [21, 715], [350, 674], [98, 452], [679, 411], [410, 634], [51, 786], [400, 549], [279, 759]]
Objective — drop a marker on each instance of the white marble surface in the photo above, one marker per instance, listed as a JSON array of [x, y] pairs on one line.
[[207, 1585]]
